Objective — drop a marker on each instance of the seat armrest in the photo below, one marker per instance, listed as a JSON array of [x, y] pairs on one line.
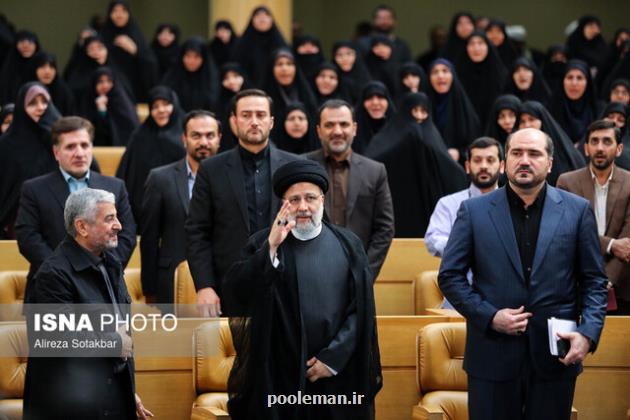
[[208, 413], [427, 412]]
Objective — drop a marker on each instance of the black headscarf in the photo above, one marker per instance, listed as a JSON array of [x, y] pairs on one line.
[[493, 129], [553, 71], [385, 71], [595, 51], [453, 113], [624, 160], [366, 126], [165, 56], [228, 139], [358, 76], [222, 53], [455, 46], [575, 116], [407, 69], [59, 91], [25, 152], [15, 68], [615, 54], [77, 52], [306, 143], [566, 157], [151, 146], [253, 50], [341, 92], [621, 69], [617, 82], [419, 169], [507, 52], [196, 90], [7, 35], [140, 69], [283, 96], [538, 91], [309, 63], [483, 81], [5, 111], [113, 128]]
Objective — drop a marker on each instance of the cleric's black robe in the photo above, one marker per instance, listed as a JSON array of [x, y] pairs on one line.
[[268, 338]]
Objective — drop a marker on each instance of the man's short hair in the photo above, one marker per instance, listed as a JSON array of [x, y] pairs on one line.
[[68, 125], [334, 104], [250, 92], [604, 125], [484, 143], [384, 7], [199, 113], [548, 144], [84, 204]]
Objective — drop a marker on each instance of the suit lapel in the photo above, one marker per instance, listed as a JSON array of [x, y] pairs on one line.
[[234, 169], [502, 221], [59, 188], [614, 188], [587, 186], [181, 183], [549, 221], [318, 156], [355, 179]]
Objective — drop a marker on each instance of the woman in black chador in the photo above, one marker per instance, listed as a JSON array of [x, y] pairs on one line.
[[353, 72], [297, 132], [194, 77], [575, 106], [495, 31], [482, 73], [25, 149], [165, 46], [373, 109], [308, 54], [110, 110], [253, 49], [129, 49], [453, 113], [157, 142], [419, 169], [411, 79], [565, 156], [587, 43], [44, 70], [503, 118], [224, 42], [526, 82], [462, 26], [381, 63], [327, 84], [16, 65]]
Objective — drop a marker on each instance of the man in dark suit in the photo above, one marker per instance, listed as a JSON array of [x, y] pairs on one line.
[[607, 187], [535, 254], [39, 225], [165, 206], [232, 198], [358, 197]]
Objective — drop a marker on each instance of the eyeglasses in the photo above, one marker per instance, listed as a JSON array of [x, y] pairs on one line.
[[295, 200]]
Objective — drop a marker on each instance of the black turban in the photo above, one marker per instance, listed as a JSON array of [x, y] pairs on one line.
[[299, 171]]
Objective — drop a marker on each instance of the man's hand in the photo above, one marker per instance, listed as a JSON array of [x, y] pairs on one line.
[[126, 43], [454, 154], [280, 228], [621, 249], [142, 412], [317, 370], [101, 103], [580, 345], [511, 321], [127, 342], [208, 303]]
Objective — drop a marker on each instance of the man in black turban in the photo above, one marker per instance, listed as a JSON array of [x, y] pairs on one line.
[[308, 326]]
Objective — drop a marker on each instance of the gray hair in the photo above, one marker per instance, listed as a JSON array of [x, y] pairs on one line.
[[83, 204], [548, 145]]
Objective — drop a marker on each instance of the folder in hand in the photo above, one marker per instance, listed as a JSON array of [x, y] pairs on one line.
[[554, 326]]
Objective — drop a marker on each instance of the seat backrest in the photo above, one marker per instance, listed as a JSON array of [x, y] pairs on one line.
[[12, 288], [440, 357], [427, 293], [214, 356], [134, 285], [13, 351], [185, 293]]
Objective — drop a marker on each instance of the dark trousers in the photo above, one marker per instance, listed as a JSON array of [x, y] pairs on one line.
[[623, 308], [528, 397]]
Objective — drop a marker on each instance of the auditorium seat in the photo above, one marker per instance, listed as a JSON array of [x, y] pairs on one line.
[[185, 293], [108, 158], [12, 287], [214, 355], [134, 285], [143, 111], [13, 347], [427, 293]]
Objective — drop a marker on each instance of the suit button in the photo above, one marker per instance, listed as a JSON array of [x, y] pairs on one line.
[[529, 269], [109, 381]]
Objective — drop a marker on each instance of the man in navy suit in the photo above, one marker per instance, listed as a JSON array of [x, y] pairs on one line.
[[535, 254]]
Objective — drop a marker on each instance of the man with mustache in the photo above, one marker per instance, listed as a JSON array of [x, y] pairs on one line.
[[232, 198], [309, 324], [165, 206], [359, 197], [535, 255], [607, 187], [39, 224]]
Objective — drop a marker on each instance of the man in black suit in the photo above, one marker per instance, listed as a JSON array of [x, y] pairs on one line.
[[232, 198], [165, 206], [39, 224], [358, 197]]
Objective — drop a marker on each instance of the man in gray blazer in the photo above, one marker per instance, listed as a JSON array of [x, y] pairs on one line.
[[165, 206], [358, 197]]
